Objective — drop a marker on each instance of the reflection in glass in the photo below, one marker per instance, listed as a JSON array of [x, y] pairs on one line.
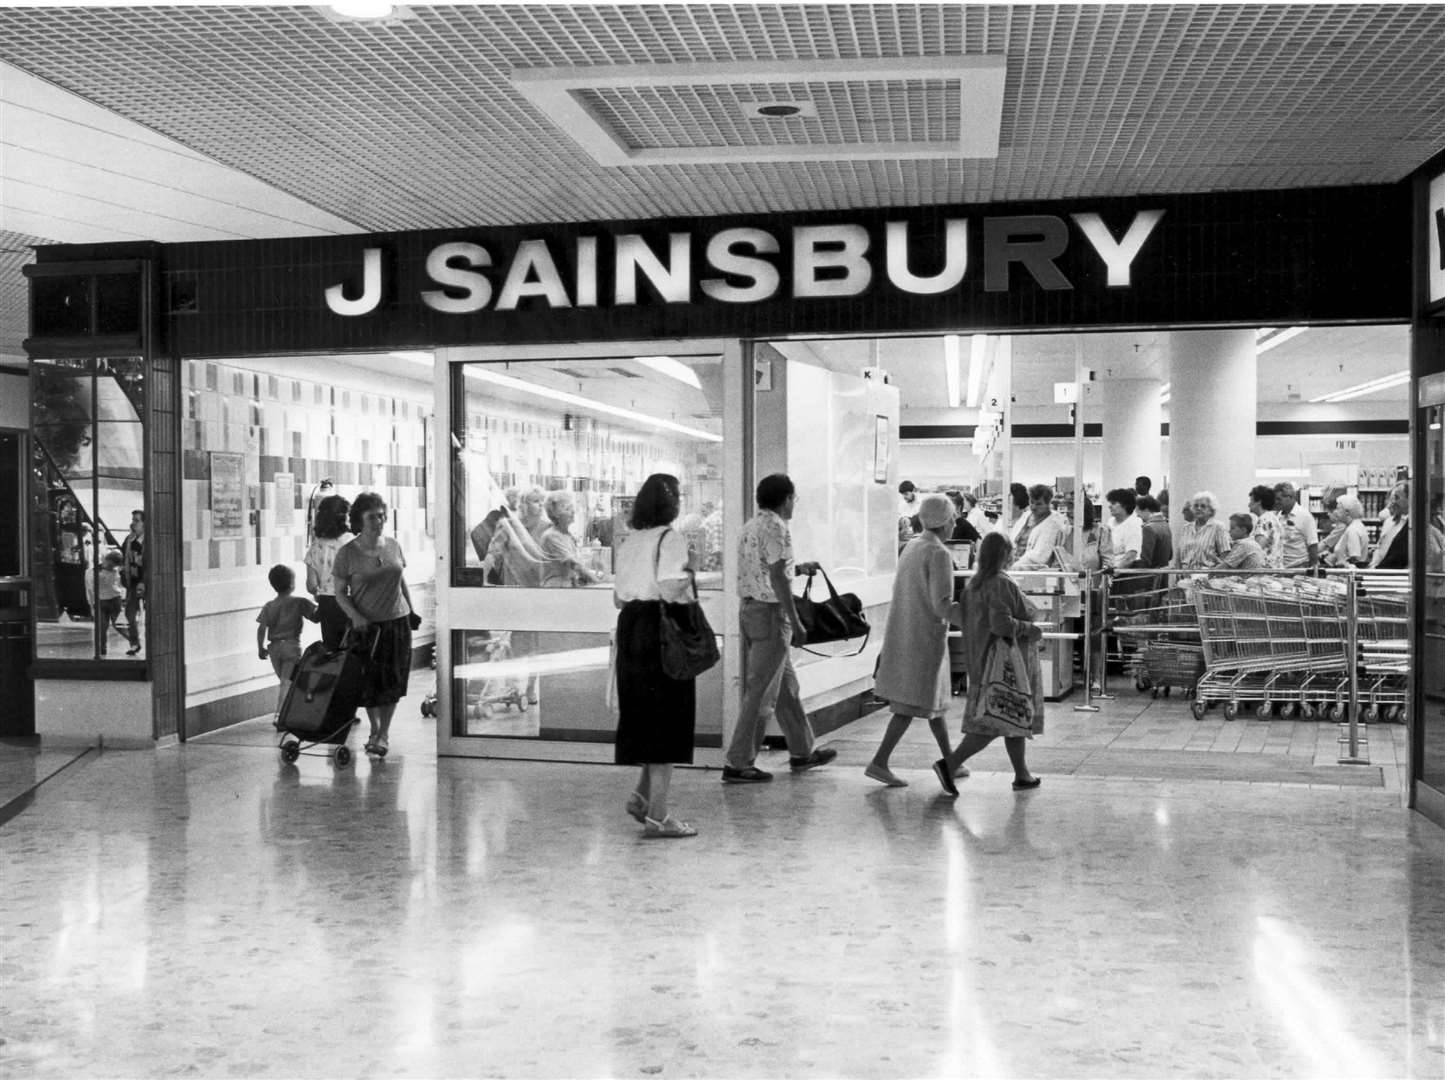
[[528, 684], [87, 480], [547, 456], [1431, 669]]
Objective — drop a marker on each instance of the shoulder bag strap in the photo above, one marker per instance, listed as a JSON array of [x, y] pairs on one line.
[[657, 558]]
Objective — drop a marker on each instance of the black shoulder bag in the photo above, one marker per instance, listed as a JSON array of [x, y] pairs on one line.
[[838, 618], [689, 647]]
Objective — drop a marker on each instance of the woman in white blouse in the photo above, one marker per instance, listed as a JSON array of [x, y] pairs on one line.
[[1205, 540], [1353, 546]]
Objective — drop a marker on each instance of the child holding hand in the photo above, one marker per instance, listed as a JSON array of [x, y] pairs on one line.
[[281, 619]]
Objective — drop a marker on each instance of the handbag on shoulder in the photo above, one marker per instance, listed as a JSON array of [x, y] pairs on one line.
[[838, 618], [689, 647]]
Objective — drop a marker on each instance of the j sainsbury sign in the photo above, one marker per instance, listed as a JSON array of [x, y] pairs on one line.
[[1331, 254]]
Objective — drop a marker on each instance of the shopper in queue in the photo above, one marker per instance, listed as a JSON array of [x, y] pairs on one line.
[[1392, 551], [1244, 553], [1299, 537], [768, 618], [1268, 528], [331, 534], [913, 674], [994, 608], [562, 565], [367, 578], [975, 513], [1038, 533], [1352, 546], [1205, 540], [657, 714], [1157, 539]]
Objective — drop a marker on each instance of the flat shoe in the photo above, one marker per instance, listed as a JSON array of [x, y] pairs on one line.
[[1027, 785], [884, 776], [637, 808], [940, 770], [669, 828]]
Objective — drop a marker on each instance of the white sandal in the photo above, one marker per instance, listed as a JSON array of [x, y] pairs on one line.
[[668, 828]]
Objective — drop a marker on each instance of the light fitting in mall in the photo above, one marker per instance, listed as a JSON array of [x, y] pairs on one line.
[[673, 369], [1385, 382], [951, 370], [1164, 394], [977, 354], [364, 11], [1262, 344], [779, 110]]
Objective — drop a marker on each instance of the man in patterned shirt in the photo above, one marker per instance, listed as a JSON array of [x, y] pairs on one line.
[[770, 626]]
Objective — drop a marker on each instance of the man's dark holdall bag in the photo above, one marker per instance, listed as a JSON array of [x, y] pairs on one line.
[[838, 618]]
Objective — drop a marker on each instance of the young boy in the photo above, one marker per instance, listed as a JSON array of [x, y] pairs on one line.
[[282, 618], [106, 595]]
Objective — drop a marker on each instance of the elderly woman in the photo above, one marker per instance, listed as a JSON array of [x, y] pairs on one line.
[[1268, 529], [561, 566], [1353, 546], [1204, 541], [1039, 532], [913, 675], [514, 549]]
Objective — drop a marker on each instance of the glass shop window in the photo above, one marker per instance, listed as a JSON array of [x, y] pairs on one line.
[[88, 485], [548, 457]]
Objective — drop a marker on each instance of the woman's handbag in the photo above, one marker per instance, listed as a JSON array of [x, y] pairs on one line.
[[689, 647], [838, 618], [1006, 700]]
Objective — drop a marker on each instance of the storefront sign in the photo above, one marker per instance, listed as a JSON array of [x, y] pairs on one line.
[[1265, 257]]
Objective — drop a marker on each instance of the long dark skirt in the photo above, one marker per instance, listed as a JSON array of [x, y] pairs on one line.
[[657, 714], [388, 665], [334, 621]]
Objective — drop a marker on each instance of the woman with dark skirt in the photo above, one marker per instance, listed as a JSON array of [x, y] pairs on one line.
[[370, 588], [656, 713], [332, 534]]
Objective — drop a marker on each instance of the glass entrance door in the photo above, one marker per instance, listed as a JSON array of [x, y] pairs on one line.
[[546, 449], [1430, 739]]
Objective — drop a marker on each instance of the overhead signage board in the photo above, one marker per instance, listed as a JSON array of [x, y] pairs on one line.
[[1329, 254]]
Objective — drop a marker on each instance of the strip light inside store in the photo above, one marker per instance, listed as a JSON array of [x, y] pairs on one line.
[[1277, 337], [1385, 382], [977, 354], [951, 370], [480, 373], [673, 369], [1164, 394]]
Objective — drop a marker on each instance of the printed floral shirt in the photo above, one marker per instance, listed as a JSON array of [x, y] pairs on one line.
[[1269, 535], [765, 539]]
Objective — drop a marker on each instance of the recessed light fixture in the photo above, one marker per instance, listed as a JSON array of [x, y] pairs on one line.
[[365, 11], [779, 110]]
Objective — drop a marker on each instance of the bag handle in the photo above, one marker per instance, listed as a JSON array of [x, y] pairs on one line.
[[841, 655], [832, 592]]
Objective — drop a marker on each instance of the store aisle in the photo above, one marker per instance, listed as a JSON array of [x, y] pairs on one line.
[[206, 911]]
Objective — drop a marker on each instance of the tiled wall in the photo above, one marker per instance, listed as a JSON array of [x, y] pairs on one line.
[[361, 430]]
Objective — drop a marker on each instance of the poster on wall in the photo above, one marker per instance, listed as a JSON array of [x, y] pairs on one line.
[[880, 449], [285, 507], [228, 493]]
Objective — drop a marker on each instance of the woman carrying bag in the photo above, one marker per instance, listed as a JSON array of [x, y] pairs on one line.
[[913, 675], [1005, 690], [656, 713]]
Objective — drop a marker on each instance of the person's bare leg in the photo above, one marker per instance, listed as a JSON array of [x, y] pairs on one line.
[[969, 745], [1015, 745], [659, 780], [878, 768]]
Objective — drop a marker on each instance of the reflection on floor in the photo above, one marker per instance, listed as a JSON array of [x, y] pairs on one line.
[[206, 910]]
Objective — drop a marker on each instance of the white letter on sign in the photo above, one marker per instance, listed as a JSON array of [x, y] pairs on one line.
[[674, 282], [532, 257], [808, 260], [762, 274], [955, 261], [370, 288], [477, 289], [1118, 257]]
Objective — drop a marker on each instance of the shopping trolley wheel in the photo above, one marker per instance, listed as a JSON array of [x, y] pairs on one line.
[[1396, 714], [290, 751], [1264, 710], [1371, 715], [1198, 707], [1142, 683], [1231, 710], [1308, 711], [1334, 712], [1287, 709], [343, 756]]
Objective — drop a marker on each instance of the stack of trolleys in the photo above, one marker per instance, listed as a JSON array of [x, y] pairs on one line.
[[1271, 641], [1159, 619], [1382, 636]]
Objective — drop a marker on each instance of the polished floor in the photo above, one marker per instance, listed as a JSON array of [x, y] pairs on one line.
[[207, 911]]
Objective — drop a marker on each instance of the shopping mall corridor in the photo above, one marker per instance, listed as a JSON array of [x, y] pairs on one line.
[[205, 910]]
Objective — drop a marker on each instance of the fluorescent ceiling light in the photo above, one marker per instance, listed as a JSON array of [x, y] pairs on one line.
[[1263, 345], [415, 357], [951, 370], [1164, 393], [977, 353], [1385, 382], [676, 369], [363, 9]]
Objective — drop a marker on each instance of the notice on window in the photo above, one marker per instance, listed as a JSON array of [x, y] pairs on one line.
[[285, 507], [228, 493]]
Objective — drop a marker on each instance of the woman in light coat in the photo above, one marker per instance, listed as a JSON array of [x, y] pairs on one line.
[[913, 674]]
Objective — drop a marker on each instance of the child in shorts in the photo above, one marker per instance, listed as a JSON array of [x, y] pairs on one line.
[[281, 619], [106, 594]]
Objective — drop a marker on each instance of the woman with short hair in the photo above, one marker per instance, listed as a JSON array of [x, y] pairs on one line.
[[368, 580], [331, 535], [1353, 546], [562, 567], [1204, 541], [1268, 530]]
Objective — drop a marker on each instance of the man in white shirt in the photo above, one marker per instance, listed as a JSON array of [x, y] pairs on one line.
[[1038, 531], [768, 618], [1300, 537]]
